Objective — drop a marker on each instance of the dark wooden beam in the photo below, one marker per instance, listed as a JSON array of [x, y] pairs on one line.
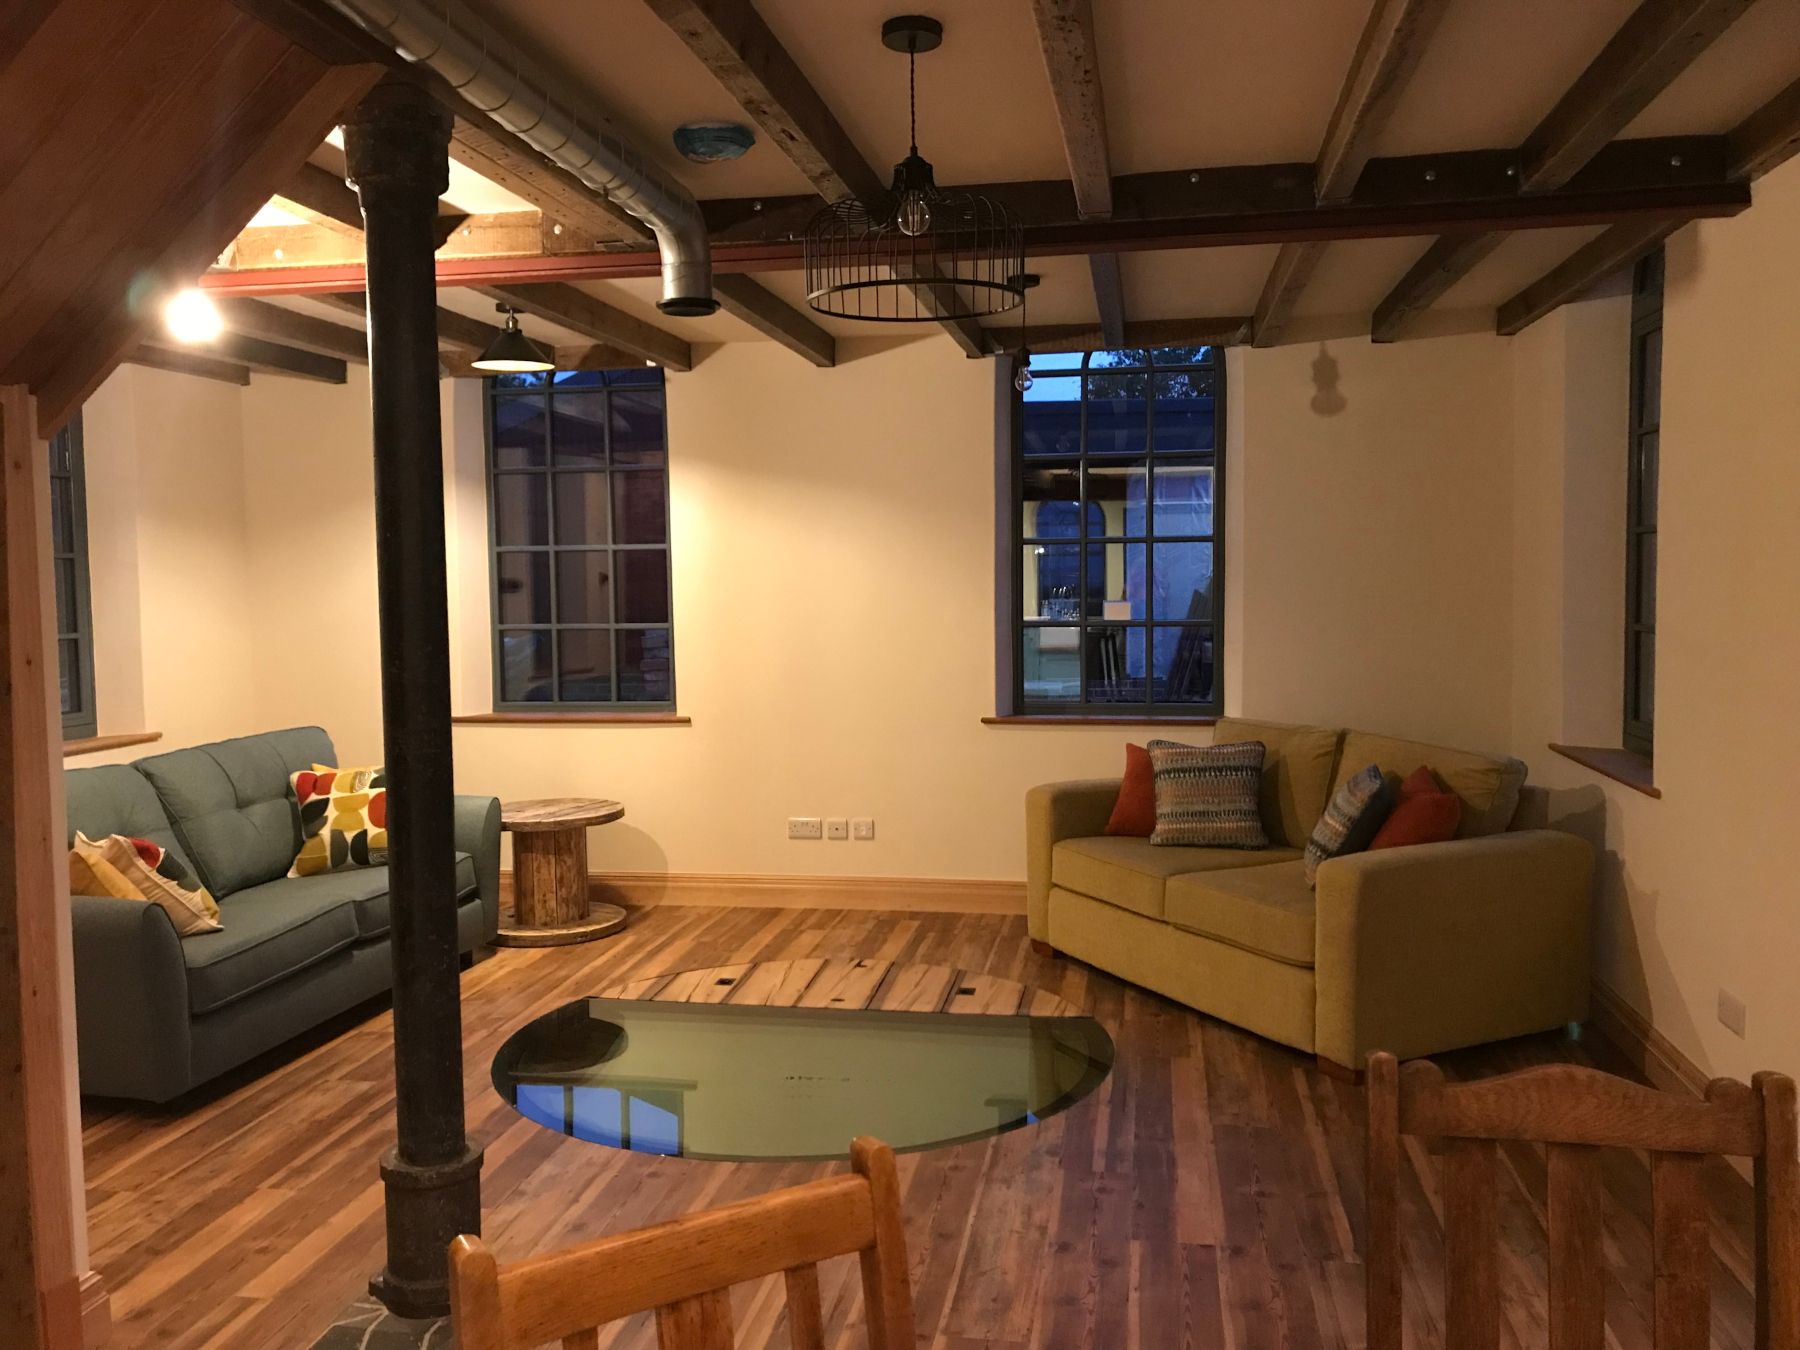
[[1764, 139], [1672, 178], [564, 199], [747, 299], [1392, 41], [731, 40], [1066, 39], [1109, 296], [458, 364], [1767, 137], [268, 358], [454, 329], [188, 363], [1079, 337], [1447, 261], [1653, 46], [1619, 247], [272, 323], [324, 194], [576, 310]]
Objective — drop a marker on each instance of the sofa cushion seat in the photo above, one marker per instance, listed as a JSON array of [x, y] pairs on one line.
[[373, 914], [1131, 873], [1267, 910], [271, 931]]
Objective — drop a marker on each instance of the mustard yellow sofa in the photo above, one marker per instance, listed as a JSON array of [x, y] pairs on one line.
[[1412, 950]]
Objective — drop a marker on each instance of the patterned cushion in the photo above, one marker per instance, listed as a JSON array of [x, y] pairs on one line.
[[137, 869], [1206, 795], [1350, 822], [343, 819]]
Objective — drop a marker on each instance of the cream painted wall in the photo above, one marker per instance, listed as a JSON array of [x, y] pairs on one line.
[[1375, 492], [168, 549], [1696, 892]]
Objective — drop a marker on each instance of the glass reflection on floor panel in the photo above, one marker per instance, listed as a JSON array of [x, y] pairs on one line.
[[738, 1083]]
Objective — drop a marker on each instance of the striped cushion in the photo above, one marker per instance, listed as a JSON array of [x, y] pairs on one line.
[[1356, 812], [1206, 795]]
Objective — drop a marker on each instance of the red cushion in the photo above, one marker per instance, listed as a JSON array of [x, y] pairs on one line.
[[1421, 782], [1424, 818], [1135, 811]]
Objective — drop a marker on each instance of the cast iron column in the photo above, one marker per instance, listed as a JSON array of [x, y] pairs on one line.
[[396, 145]]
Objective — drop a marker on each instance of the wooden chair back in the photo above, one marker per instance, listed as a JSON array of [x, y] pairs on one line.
[[1575, 1112], [685, 1270]]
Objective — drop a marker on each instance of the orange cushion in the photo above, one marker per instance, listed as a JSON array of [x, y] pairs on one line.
[[1425, 813], [1135, 811]]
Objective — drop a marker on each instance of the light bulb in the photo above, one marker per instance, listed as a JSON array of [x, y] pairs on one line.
[[192, 317], [1022, 379], [914, 217]]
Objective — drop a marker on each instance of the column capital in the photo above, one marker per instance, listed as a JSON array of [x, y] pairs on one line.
[[398, 137]]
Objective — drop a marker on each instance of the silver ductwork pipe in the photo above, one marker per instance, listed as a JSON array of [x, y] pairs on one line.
[[491, 74]]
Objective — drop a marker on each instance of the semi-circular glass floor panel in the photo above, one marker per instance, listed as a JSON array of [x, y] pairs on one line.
[[917, 1056]]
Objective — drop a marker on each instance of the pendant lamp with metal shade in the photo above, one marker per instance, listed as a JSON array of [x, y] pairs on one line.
[[923, 252], [511, 351]]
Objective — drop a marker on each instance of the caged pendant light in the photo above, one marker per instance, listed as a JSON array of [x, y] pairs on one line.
[[923, 252]]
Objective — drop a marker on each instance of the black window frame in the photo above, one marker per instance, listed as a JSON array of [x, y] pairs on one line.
[[494, 388], [69, 572], [1643, 474], [1151, 362]]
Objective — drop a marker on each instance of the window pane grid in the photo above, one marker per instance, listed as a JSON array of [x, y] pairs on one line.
[[1641, 505], [578, 467], [1140, 435]]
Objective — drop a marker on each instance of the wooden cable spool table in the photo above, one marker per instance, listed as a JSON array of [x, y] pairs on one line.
[[550, 901]]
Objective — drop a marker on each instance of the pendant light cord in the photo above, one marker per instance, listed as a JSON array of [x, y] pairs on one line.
[[912, 93]]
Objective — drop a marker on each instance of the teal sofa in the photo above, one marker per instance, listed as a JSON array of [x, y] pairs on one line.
[[157, 1014]]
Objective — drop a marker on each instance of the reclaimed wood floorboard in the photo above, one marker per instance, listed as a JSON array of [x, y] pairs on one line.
[[1208, 1196]]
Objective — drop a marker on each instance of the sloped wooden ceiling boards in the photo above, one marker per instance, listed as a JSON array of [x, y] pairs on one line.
[[136, 140]]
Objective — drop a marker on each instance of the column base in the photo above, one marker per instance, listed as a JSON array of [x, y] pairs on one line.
[[427, 1207]]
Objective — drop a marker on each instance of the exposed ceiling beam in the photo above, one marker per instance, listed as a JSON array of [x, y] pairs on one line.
[[1109, 296], [322, 193], [1072, 62], [1763, 140], [559, 194], [1066, 39], [498, 235], [276, 358], [259, 319], [1449, 259], [188, 363], [1580, 271], [748, 299], [1653, 46], [1678, 178], [576, 310], [454, 329], [458, 363], [731, 40], [1080, 337], [1767, 137], [1392, 41]]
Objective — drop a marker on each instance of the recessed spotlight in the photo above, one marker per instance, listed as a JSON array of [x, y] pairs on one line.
[[192, 317]]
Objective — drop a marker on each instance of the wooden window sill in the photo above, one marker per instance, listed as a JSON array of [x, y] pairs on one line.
[[1622, 766], [572, 719], [90, 745], [1087, 720]]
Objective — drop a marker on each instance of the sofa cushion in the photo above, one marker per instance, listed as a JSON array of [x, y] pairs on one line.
[[117, 799], [369, 885], [1206, 795], [1298, 762], [271, 931], [1488, 784], [1266, 910], [230, 805], [1131, 873]]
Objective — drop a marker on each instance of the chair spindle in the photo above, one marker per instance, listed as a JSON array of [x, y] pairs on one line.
[[1681, 1237], [702, 1322], [1577, 1265], [805, 1313]]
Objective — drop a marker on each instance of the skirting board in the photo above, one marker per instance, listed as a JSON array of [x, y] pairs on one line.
[[1651, 1053], [728, 890]]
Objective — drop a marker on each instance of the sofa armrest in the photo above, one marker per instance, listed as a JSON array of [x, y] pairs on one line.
[[1437, 946], [1054, 812], [478, 835], [131, 1000]]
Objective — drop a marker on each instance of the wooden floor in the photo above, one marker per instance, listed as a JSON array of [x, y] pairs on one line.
[[1208, 1194]]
